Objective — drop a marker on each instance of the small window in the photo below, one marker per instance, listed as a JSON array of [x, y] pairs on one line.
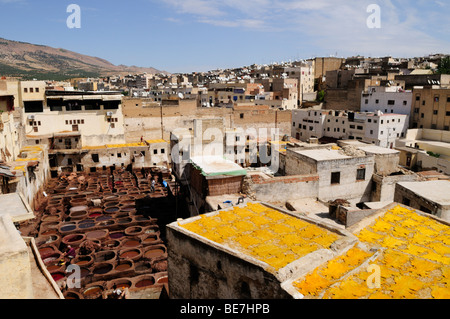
[[95, 158], [163, 151], [119, 155], [37, 90], [241, 115], [361, 174], [25, 90], [31, 90], [391, 102], [435, 112], [336, 178], [155, 152], [418, 98]]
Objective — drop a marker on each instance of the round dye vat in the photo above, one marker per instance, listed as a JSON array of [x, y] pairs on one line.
[[145, 282], [68, 228], [144, 267], [58, 276], [131, 243], [83, 261], [82, 208], [124, 220], [152, 253], [102, 269], [111, 203], [133, 230], [53, 268], [92, 291], [123, 266], [111, 210], [105, 256], [84, 272], [86, 225], [52, 258], [96, 234], [130, 254], [163, 280], [150, 239], [71, 295], [94, 215], [112, 243], [86, 221], [46, 251], [116, 235], [103, 218]]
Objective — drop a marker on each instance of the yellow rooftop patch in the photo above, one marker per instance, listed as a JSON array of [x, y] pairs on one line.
[[413, 263], [263, 233]]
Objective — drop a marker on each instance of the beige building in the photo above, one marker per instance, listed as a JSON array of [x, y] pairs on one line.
[[431, 108]]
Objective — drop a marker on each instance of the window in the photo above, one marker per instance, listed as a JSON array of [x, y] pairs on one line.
[[293, 124], [241, 115], [35, 129], [447, 113], [391, 102], [436, 99], [359, 127], [37, 90], [25, 90], [74, 128], [371, 132], [377, 101], [113, 125], [155, 151], [163, 151], [335, 178], [369, 120], [382, 121], [95, 158], [422, 115], [435, 112], [416, 110], [418, 98], [31, 90], [367, 101], [405, 102], [119, 155], [361, 174]]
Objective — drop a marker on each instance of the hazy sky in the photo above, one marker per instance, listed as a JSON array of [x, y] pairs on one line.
[[199, 35]]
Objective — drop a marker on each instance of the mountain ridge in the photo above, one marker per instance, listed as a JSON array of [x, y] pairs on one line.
[[27, 60]]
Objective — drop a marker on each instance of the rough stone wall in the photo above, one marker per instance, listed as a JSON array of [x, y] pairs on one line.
[[284, 188], [200, 271]]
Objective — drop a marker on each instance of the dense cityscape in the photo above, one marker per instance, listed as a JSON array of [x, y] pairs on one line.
[[318, 178]]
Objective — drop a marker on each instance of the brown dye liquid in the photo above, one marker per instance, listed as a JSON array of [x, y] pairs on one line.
[[154, 253], [145, 283], [130, 254]]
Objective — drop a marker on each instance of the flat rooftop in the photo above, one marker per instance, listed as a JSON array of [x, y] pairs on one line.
[[263, 233], [373, 149], [410, 248], [16, 207], [435, 191], [216, 165], [323, 154]]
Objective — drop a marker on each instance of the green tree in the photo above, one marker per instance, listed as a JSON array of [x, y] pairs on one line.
[[444, 66], [321, 96]]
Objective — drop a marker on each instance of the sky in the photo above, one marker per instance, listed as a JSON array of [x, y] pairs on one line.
[[201, 35]]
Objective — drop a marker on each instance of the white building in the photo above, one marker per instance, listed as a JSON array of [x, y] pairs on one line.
[[387, 100], [375, 128]]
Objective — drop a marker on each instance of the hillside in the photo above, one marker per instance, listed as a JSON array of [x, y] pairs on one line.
[[43, 62]]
